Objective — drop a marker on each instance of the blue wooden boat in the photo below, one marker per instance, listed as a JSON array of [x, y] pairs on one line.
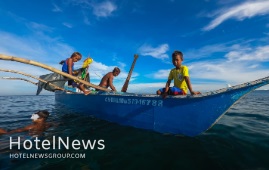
[[185, 115]]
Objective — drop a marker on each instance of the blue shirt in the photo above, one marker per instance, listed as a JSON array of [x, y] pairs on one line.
[[65, 67]]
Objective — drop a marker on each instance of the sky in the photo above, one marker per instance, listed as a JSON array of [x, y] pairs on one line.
[[223, 42]]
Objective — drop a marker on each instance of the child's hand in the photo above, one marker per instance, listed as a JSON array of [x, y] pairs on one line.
[[75, 72], [195, 92], [164, 95]]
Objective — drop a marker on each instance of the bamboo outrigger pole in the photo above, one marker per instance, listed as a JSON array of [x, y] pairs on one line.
[[31, 62], [125, 86], [16, 78], [29, 75]]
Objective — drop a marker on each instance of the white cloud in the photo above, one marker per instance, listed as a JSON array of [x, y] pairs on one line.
[[238, 63], [220, 73], [260, 53], [243, 63], [240, 12], [121, 64], [25, 50], [158, 52], [82, 3], [36, 27], [20, 87], [37, 43], [17, 86], [68, 25], [41, 48], [98, 70], [254, 66], [33, 46], [206, 51], [86, 20], [56, 8], [29, 69], [149, 88], [98, 66], [160, 74], [104, 9], [235, 50], [23, 45], [232, 73]]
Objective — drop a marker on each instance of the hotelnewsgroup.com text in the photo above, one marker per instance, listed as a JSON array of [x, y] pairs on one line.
[[46, 155]]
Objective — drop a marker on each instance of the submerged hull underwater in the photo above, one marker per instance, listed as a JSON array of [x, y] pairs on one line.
[[185, 115]]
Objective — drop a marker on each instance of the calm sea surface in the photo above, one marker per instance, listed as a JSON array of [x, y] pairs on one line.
[[240, 140]]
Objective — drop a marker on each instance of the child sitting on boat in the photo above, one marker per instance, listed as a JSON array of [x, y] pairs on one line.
[[68, 67], [39, 124], [107, 80], [180, 75]]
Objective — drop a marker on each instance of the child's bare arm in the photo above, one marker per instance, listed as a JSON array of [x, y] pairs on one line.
[[187, 79], [2, 131], [70, 64], [167, 85], [26, 128], [111, 82]]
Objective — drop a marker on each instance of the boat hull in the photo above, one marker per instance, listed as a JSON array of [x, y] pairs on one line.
[[185, 115]]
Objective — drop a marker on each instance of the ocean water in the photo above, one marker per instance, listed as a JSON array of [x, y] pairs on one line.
[[240, 140]]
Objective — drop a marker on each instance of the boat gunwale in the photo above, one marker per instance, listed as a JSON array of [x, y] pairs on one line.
[[264, 80]]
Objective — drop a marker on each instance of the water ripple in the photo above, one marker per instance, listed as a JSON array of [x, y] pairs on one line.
[[240, 140]]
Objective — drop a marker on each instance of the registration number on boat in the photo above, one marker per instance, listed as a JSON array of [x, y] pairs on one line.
[[146, 102]]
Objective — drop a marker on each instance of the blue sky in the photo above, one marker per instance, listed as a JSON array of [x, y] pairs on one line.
[[224, 42]]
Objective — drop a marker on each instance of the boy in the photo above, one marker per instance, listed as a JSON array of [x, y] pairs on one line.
[[68, 67], [180, 75], [107, 80], [39, 124]]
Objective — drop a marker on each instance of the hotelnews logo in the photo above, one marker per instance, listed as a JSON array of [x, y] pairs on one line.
[[57, 143]]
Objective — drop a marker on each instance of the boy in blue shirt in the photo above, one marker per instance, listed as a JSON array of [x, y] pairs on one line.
[[68, 67]]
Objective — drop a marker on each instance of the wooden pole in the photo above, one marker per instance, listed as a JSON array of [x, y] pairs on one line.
[[31, 62], [125, 86], [29, 75], [16, 78]]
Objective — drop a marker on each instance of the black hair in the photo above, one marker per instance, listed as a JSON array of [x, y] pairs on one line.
[[116, 69], [76, 54], [176, 52], [43, 114]]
